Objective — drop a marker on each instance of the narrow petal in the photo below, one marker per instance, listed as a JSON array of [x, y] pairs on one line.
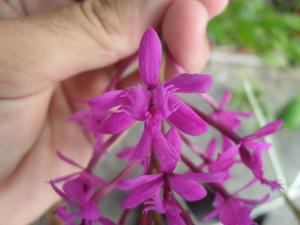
[[185, 119], [155, 203], [234, 212], [107, 100], [174, 219], [211, 148], [62, 194], [142, 193], [165, 152], [64, 215], [68, 160], [211, 215], [266, 130], [138, 102], [257, 145], [90, 211], [191, 83], [225, 159], [150, 57], [163, 100], [226, 99], [173, 213], [254, 163], [188, 189], [174, 139], [138, 181], [116, 123], [254, 202], [143, 148]]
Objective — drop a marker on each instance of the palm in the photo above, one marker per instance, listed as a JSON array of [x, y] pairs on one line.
[[31, 160]]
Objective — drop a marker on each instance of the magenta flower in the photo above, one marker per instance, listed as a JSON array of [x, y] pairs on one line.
[[146, 189], [152, 104], [228, 117], [224, 160], [234, 211], [77, 190], [253, 157]]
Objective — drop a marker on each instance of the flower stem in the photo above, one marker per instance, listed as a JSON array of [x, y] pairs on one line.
[[217, 125], [98, 195], [123, 66], [98, 152], [214, 186], [261, 119], [124, 216]]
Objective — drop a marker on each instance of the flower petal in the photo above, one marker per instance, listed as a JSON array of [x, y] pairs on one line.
[[211, 148], [68, 160], [167, 155], [234, 212], [138, 102], [266, 130], [225, 99], [188, 189], [142, 193], [174, 139], [150, 57], [164, 101], [143, 148], [155, 203], [191, 83], [185, 119], [90, 211], [138, 181], [107, 100], [63, 214], [116, 123], [225, 159], [173, 212], [254, 163]]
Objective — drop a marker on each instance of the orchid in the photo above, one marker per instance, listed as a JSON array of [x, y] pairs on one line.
[[167, 121], [233, 210], [228, 117], [147, 187], [253, 157]]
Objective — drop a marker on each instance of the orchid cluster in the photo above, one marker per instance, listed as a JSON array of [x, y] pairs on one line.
[[168, 121]]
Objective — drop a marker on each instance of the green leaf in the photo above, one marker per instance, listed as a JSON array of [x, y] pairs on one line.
[[291, 113]]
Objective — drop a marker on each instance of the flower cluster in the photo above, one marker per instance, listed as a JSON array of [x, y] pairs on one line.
[[168, 121]]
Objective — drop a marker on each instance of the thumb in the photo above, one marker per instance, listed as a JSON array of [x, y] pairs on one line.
[[76, 38]]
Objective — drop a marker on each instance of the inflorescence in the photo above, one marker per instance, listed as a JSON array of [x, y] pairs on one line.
[[168, 121]]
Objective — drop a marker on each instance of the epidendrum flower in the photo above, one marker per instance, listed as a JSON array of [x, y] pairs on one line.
[[77, 190], [152, 104], [146, 189], [233, 210], [224, 160], [252, 148], [230, 118]]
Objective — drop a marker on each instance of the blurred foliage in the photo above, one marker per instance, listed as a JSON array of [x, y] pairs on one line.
[[291, 113], [258, 26]]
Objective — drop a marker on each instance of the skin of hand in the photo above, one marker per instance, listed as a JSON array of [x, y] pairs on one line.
[[53, 50]]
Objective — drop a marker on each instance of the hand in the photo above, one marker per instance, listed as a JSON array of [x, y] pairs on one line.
[[52, 50]]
